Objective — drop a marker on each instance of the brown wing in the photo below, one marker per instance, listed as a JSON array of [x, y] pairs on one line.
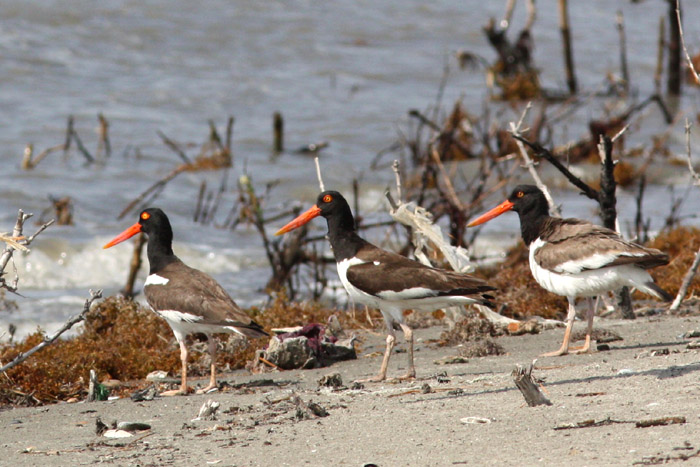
[[572, 245], [202, 297], [385, 271]]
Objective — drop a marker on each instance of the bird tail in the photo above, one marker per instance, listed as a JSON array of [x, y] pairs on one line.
[[653, 289], [252, 330]]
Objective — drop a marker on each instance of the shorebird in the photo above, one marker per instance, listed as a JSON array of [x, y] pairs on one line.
[[189, 300], [574, 258], [385, 280]]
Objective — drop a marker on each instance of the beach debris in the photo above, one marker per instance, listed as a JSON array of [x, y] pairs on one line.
[[657, 352], [207, 411], [426, 389], [117, 434], [156, 375], [307, 347], [308, 410], [356, 386], [96, 391], [590, 423], [608, 421], [528, 386], [100, 427], [473, 336], [451, 360], [660, 422], [693, 345], [692, 334], [333, 380], [133, 426], [475, 420], [146, 394]]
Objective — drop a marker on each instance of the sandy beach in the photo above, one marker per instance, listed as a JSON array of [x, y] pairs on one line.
[[473, 414]]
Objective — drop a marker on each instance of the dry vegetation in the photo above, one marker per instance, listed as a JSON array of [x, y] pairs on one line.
[[109, 344]]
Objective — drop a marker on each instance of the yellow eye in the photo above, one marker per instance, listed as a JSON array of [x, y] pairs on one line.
[[327, 199], [520, 194], [145, 216]]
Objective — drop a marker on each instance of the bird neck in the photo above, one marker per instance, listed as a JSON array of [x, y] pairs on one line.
[[532, 224], [343, 236], [160, 251]]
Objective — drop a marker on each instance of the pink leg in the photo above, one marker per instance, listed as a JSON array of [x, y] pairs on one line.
[[590, 313], [564, 349], [212, 354], [390, 342], [183, 387], [408, 334]]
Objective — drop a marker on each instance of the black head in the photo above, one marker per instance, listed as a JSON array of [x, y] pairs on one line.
[[332, 206], [528, 200], [154, 223]]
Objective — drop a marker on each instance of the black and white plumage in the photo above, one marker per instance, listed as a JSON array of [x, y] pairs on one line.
[[189, 300], [385, 280], [575, 258]]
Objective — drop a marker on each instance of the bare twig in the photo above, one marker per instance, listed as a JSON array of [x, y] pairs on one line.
[[620, 22], [685, 50], [173, 145], [683, 290], [159, 185], [22, 243], [529, 164], [318, 174], [48, 340]]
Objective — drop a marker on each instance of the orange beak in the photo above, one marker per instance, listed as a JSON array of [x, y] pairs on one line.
[[505, 206], [127, 234], [302, 219]]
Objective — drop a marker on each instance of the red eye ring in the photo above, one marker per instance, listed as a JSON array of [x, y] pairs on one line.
[[327, 199], [145, 216], [520, 194]]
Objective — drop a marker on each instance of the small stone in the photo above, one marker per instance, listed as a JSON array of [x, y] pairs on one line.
[[157, 375], [333, 380], [693, 345]]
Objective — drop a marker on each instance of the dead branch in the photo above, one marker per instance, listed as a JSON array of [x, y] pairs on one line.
[[103, 143], [688, 278], [174, 147], [673, 80], [156, 188], [134, 266], [81, 147], [685, 49], [48, 340]]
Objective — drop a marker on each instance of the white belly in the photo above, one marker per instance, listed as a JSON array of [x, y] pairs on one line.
[[586, 283]]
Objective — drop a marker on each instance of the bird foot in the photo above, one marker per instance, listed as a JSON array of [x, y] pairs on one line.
[[208, 389], [410, 376], [556, 353], [176, 392], [581, 349], [373, 379]]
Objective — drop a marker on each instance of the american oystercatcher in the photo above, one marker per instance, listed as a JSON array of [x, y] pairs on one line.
[[386, 280], [188, 299], [574, 258]]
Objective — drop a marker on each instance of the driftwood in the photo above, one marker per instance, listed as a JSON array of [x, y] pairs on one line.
[[528, 386], [48, 340]]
